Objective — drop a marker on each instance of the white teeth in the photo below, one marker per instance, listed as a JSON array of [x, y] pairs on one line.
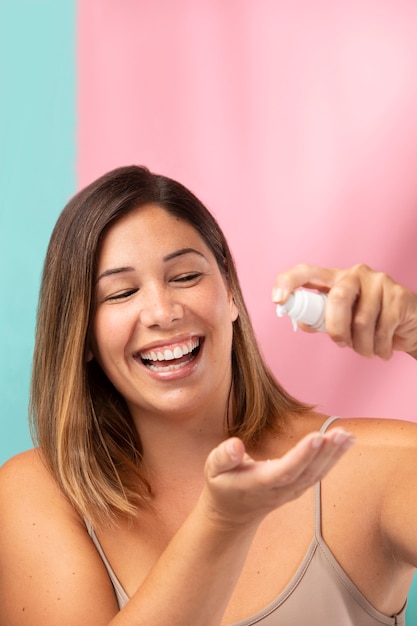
[[169, 355], [167, 368]]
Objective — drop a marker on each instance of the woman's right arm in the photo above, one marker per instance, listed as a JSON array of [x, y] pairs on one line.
[[50, 572]]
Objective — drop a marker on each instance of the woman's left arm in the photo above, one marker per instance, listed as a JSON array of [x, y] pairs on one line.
[[366, 310], [398, 514], [374, 315]]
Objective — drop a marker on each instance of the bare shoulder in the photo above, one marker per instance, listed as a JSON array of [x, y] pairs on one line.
[[21, 462], [25, 473], [369, 431], [48, 564], [28, 490], [382, 467], [382, 446], [387, 434]]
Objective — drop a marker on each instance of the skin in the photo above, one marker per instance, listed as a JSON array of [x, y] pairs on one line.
[[160, 302], [246, 515]]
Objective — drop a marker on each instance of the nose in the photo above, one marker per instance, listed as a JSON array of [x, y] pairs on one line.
[[160, 307]]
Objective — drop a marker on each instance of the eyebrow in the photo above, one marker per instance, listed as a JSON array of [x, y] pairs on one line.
[[116, 270], [181, 252], [168, 257]]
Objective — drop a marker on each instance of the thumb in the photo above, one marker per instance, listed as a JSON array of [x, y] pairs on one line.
[[228, 455]]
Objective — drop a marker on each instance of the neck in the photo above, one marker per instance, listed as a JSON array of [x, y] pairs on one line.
[[176, 446]]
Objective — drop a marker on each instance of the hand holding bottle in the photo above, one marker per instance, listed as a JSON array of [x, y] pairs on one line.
[[365, 309]]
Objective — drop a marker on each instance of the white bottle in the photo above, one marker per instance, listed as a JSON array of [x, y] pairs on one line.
[[307, 307]]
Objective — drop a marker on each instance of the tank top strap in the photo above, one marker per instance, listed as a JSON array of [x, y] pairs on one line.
[[317, 486], [328, 423]]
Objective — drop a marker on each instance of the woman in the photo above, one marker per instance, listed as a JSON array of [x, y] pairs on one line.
[[175, 481]]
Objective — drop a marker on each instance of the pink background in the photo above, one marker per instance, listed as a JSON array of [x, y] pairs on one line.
[[296, 123]]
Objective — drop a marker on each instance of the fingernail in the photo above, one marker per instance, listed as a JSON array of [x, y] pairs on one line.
[[317, 441], [340, 437], [348, 443], [277, 294], [344, 439], [231, 449]]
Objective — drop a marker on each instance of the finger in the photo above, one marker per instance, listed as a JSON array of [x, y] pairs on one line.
[[405, 337], [392, 312], [228, 455], [336, 443], [302, 275], [340, 309], [305, 462], [333, 447], [376, 317]]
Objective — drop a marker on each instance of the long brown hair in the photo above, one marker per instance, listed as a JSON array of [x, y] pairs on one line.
[[79, 419]]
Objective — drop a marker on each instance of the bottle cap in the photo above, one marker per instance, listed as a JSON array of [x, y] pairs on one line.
[[305, 306]]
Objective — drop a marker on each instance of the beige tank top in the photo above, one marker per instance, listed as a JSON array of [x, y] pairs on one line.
[[320, 593]]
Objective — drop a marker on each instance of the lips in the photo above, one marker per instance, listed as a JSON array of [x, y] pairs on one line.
[[169, 359]]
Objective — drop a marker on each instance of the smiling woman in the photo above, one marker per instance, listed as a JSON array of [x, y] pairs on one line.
[[174, 475], [119, 254], [166, 297]]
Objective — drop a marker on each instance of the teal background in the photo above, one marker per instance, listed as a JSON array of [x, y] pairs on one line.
[[411, 612], [37, 153]]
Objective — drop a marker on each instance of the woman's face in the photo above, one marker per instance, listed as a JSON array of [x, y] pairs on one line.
[[162, 329]]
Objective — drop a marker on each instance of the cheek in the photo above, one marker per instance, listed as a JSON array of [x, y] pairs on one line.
[[222, 313], [108, 332], [226, 306]]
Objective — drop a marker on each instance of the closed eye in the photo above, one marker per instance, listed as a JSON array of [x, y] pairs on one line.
[[122, 295], [187, 278]]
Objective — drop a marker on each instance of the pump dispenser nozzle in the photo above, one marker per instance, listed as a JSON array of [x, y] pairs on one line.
[[307, 307]]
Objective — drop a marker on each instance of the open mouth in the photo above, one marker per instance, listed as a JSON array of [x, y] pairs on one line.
[[171, 359]]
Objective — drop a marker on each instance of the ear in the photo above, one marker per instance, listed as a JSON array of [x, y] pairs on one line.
[[89, 356], [234, 311]]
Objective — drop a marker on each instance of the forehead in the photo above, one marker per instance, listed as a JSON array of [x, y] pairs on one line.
[[148, 229]]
